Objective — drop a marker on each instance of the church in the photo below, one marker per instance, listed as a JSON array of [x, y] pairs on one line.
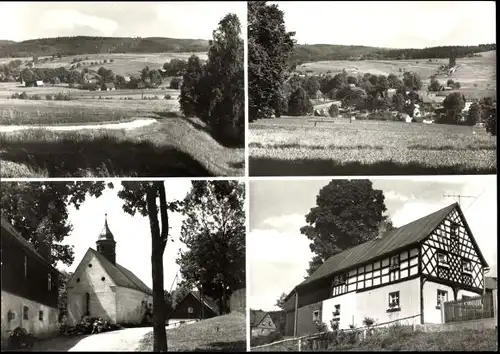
[[404, 274], [100, 287]]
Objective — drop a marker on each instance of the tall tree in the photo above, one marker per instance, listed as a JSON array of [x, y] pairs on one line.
[[299, 103], [453, 104], [270, 48], [149, 199], [214, 232], [63, 294], [474, 114], [489, 114], [348, 212], [221, 102], [39, 212], [189, 97]]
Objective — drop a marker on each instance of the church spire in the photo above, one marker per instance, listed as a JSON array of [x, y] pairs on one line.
[[106, 244]]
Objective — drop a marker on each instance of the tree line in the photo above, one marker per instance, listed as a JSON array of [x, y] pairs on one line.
[[78, 45], [311, 53]]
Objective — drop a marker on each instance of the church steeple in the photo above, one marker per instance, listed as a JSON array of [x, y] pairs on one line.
[[106, 244]]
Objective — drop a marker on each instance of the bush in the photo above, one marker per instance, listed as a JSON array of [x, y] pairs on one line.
[[23, 96], [36, 97], [368, 321], [167, 97], [333, 111], [49, 97]]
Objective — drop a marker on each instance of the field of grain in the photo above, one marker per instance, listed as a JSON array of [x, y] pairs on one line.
[[477, 75], [123, 63], [294, 146]]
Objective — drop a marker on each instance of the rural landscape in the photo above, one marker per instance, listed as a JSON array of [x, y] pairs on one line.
[[109, 284], [354, 110], [86, 106]]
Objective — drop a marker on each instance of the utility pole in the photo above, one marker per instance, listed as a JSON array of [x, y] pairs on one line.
[[459, 196]]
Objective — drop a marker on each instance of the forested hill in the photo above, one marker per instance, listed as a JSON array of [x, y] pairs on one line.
[[317, 52], [94, 45]]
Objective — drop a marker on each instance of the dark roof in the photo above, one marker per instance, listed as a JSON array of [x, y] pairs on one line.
[[256, 317], [400, 237], [490, 283], [207, 301], [7, 226], [106, 233], [109, 85], [121, 275]]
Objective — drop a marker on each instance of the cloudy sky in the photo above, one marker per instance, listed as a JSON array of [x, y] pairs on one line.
[[278, 254], [132, 233], [194, 20], [391, 24]]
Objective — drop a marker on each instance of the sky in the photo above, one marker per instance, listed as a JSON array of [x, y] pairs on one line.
[[391, 24], [278, 254], [193, 20], [132, 233]]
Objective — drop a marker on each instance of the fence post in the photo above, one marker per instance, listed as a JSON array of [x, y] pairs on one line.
[[495, 304], [300, 344], [443, 313]]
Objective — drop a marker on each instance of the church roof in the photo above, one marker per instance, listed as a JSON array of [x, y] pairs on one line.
[[121, 275], [404, 236], [106, 233]]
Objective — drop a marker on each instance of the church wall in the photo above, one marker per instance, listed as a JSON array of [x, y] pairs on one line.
[[95, 281], [42, 320], [131, 305]]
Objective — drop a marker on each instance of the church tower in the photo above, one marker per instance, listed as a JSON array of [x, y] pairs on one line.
[[106, 244]]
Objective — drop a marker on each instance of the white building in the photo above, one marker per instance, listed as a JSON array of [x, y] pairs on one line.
[[405, 274], [100, 287]]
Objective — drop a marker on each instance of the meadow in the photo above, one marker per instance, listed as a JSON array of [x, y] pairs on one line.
[[294, 146], [477, 75], [173, 146]]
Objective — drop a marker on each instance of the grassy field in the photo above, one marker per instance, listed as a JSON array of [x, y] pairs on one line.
[[203, 335], [477, 75], [123, 64], [293, 146], [463, 340]]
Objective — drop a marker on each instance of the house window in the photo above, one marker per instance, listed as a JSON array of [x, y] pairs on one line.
[[394, 262], [49, 281], [442, 259], [316, 315], [338, 280], [394, 300], [466, 266], [190, 310], [454, 230], [337, 310], [25, 312], [40, 315], [25, 266], [442, 297]]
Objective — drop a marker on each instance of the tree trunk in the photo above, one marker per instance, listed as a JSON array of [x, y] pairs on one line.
[[159, 332]]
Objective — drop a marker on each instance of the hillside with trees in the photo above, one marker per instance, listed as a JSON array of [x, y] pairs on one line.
[[322, 52], [67, 46]]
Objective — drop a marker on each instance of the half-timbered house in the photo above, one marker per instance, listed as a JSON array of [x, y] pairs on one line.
[[404, 274]]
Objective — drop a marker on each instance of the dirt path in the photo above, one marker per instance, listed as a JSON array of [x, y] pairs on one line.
[[137, 123], [123, 340]]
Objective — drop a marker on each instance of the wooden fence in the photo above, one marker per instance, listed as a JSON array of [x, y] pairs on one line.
[[473, 308], [317, 341]]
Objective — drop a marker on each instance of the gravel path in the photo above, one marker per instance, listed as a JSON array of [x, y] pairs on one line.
[[122, 340], [137, 123]]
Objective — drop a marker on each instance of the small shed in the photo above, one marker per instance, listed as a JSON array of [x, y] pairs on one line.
[[109, 86]]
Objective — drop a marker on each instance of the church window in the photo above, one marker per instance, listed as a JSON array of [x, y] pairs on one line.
[[77, 280], [103, 278], [40, 315], [190, 310], [90, 265], [25, 266], [25, 312]]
